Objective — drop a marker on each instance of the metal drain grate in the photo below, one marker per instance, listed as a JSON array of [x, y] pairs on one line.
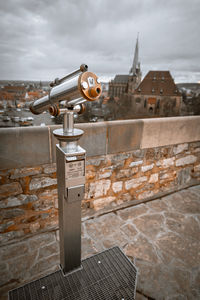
[[108, 275]]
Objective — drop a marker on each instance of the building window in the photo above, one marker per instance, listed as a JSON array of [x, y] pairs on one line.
[[158, 104], [138, 100], [145, 103], [151, 110]]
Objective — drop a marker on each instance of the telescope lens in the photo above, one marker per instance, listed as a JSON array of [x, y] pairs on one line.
[[98, 91], [94, 92]]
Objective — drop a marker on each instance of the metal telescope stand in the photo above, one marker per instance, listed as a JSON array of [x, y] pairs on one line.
[[108, 275], [70, 159]]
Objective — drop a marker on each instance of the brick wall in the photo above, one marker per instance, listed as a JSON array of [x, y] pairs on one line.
[[122, 174]]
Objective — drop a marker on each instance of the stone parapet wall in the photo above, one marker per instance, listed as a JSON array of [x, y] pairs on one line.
[[28, 195], [33, 146], [117, 179], [127, 162], [28, 201]]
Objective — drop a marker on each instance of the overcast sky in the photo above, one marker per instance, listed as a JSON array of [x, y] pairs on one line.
[[44, 39]]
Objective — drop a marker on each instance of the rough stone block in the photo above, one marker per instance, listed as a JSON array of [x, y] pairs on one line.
[[46, 200], [166, 177], [135, 182], [124, 173], [166, 163], [98, 188], [197, 150], [105, 175], [6, 225], [90, 175], [147, 168], [139, 153], [123, 198], [11, 235], [135, 163], [117, 186], [17, 201], [184, 175], [19, 173], [197, 168], [11, 213], [10, 202], [49, 169], [95, 161], [102, 202], [119, 157], [147, 194], [180, 148], [34, 227], [10, 189], [38, 183], [153, 178], [187, 160]]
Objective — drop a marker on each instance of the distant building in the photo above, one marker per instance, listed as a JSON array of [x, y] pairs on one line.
[[17, 90], [122, 84], [157, 95], [12, 93]]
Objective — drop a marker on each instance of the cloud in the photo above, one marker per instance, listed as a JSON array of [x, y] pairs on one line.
[[44, 39]]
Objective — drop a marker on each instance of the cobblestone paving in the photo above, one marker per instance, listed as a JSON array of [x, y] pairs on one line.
[[163, 239]]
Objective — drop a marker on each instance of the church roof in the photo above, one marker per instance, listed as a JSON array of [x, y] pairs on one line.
[[121, 79], [158, 83]]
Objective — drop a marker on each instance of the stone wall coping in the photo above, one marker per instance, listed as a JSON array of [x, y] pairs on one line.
[[31, 146]]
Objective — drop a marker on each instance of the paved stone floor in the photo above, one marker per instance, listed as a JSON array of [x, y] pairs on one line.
[[162, 237]]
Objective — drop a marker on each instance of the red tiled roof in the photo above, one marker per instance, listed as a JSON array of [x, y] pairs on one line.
[[158, 83], [34, 94], [12, 88], [7, 96]]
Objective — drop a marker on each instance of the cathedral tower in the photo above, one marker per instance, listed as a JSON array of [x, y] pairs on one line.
[[135, 74], [126, 84]]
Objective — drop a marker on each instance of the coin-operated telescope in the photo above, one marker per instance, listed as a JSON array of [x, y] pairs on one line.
[[79, 83], [72, 91]]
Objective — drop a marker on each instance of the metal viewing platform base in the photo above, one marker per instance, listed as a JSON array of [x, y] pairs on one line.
[[106, 275]]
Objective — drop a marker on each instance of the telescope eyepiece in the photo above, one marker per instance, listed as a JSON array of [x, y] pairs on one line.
[[83, 68]]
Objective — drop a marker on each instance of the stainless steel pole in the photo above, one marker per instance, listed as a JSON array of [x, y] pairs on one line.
[[70, 159]]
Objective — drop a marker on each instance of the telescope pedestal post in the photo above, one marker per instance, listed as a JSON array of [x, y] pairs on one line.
[[70, 158]]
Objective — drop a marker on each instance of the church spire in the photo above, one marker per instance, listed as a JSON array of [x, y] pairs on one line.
[[136, 64]]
